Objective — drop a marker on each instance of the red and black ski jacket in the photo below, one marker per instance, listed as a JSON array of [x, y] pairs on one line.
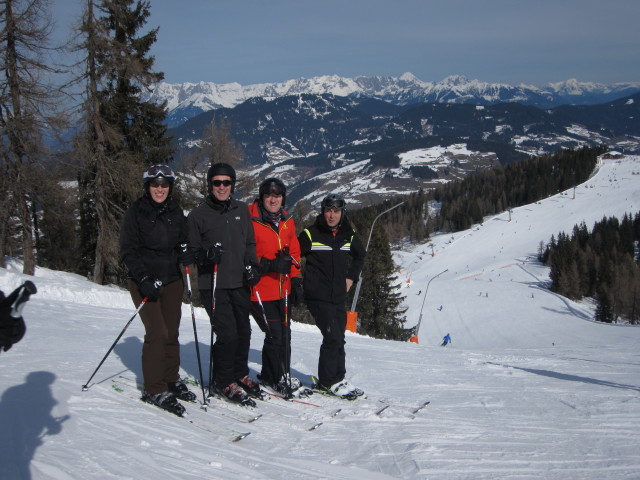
[[269, 241]]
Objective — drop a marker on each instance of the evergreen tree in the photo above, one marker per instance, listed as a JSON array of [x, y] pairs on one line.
[[27, 104], [121, 134], [601, 264], [604, 307], [379, 304]]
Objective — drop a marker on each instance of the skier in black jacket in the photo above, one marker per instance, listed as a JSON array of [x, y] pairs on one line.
[[222, 239], [152, 246], [335, 257]]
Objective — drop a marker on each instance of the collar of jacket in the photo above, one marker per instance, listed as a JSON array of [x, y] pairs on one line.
[[216, 204], [149, 207], [343, 231], [256, 213]]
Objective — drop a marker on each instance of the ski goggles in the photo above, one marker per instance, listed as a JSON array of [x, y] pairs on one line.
[[273, 189], [157, 171], [337, 203]]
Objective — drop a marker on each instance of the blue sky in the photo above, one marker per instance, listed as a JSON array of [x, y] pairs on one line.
[[506, 41]]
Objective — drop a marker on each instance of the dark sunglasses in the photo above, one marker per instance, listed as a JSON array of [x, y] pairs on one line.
[[160, 184], [217, 183]]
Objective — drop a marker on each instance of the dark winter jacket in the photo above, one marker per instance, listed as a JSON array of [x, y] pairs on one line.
[[331, 259], [149, 239], [227, 223]]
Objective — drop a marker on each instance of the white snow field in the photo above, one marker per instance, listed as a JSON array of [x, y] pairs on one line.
[[531, 387]]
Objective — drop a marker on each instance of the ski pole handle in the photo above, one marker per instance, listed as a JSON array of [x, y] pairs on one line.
[[286, 251], [186, 271]]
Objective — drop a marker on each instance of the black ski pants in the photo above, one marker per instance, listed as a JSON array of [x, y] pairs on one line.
[[161, 347], [230, 323], [276, 350], [331, 319]]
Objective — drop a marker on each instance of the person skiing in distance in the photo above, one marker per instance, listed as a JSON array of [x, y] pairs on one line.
[[446, 340], [335, 257], [152, 247], [278, 250], [222, 240]]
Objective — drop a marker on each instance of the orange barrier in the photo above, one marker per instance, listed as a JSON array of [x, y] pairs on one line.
[[352, 321], [414, 339]]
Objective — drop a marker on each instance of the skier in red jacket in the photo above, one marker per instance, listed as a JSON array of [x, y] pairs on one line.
[[280, 285]]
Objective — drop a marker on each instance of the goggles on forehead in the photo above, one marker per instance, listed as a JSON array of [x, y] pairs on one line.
[[274, 189], [334, 203], [157, 171]]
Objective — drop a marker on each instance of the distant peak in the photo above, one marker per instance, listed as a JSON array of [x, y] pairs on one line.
[[408, 77], [456, 79]]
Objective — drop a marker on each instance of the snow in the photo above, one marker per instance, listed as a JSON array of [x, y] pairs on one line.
[[531, 386]]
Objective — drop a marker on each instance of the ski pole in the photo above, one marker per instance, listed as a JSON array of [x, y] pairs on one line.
[[85, 386], [287, 340], [264, 322], [195, 336], [214, 281], [286, 336]]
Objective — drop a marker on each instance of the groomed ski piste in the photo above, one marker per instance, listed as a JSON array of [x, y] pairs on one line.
[[531, 386]]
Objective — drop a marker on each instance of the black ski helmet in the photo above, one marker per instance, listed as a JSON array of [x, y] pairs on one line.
[[221, 169], [272, 185], [334, 201], [158, 172]]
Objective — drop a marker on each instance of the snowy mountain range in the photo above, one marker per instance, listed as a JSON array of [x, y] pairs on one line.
[[362, 146], [531, 387], [187, 100]]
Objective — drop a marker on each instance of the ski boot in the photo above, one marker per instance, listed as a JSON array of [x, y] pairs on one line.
[[236, 394], [179, 388], [165, 400]]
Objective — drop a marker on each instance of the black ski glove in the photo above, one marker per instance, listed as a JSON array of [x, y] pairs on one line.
[[185, 256], [281, 264], [297, 293], [251, 275], [150, 288], [214, 254]]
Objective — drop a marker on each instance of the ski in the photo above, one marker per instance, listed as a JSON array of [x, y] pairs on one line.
[[382, 409], [316, 388], [331, 415], [294, 400], [424, 404], [219, 408], [231, 434]]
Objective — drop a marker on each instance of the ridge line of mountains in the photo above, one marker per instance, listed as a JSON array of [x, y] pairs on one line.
[[372, 138], [186, 100]]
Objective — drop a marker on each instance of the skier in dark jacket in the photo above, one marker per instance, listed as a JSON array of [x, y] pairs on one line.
[[152, 246], [335, 257], [222, 239]]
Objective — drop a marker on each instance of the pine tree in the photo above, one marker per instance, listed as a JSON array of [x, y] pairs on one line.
[[379, 304], [121, 133], [27, 104]]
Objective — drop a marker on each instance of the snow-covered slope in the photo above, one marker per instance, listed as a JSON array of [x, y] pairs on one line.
[[531, 386]]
